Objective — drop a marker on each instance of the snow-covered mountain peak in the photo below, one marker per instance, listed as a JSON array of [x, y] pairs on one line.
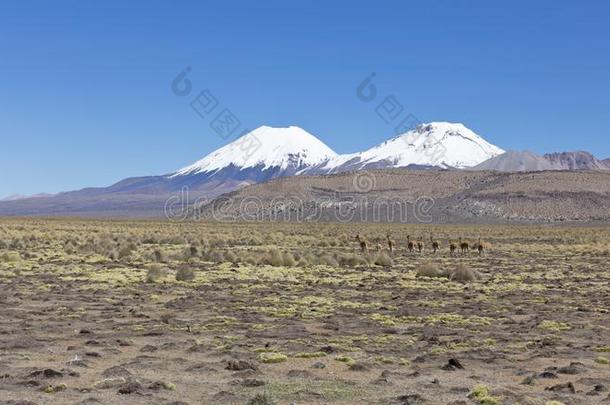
[[442, 144], [266, 147]]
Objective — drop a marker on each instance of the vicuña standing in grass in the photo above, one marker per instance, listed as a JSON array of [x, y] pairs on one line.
[[480, 247], [409, 244], [391, 243], [420, 245], [435, 245], [464, 246], [364, 247], [452, 248]]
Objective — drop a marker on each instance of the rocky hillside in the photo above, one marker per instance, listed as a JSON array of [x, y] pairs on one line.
[[402, 195]]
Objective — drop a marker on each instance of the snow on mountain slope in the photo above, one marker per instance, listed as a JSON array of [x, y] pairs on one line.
[[439, 144], [288, 148]]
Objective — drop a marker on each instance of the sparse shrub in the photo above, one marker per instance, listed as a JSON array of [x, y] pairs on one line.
[[262, 399], [191, 251], [126, 250], [328, 260], [464, 274], [288, 259], [275, 257], [602, 360], [155, 272], [10, 257], [231, 257], [271, 357], [112, 254], [351, 260], [185, 274], [159, 256], [481, 394], [430, 270], [383, 259]]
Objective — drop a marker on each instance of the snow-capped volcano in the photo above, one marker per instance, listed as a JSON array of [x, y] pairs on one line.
[[284, 149], [435, 144]]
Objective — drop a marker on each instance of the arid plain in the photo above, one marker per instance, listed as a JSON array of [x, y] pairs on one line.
[[151, 312]]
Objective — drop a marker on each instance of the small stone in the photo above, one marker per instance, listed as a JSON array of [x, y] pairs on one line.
[[108, 383], [46, 373], [453, 364], [148, 349], [318, 365], [573, 368], [252, 382], [116, 371], [130, 388], [411, 399], [530, 380], [299, 374], [238, 365], [567, 388], [547, 374]]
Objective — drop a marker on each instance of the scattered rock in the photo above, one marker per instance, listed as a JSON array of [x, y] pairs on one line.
[[131, 387], [599, 388], [358, 367], [573, 368], [46, 373], [116, 371], [108, 383], [529, 380], [318, 365], [547, 374], [328, 349], [198, 348], [452, 365], [148, 349], [299, 374], [93, 354], [157, 385], [411, 399], [238, 365], [252, 382], [567, 388]]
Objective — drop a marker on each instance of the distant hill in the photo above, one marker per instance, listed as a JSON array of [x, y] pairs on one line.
[[439, 196], [578, 160], [524, 161]]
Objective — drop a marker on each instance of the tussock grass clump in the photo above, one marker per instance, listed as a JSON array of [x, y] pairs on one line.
[[602, 360], [310, 355], [159, 256], [383, 259], [155, 272], [430, 270], [480, 394], [185, 274], [274, 257], [464, 274], [328, 260], [126, 250], [272, 357], [214, 256], [352, 260], [262, 399], [10, 257], [191, 252]]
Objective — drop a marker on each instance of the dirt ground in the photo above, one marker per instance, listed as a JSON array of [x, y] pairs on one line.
[[92, 313]]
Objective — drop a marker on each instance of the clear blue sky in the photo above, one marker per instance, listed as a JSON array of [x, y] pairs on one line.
[[85, 86]]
